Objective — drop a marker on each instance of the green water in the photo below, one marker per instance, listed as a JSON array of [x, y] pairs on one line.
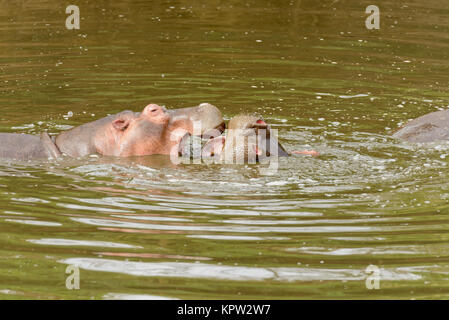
[[143, 227]]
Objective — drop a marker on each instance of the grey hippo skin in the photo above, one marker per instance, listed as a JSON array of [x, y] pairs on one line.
[[27, 147], [152, 131], [427, 128], [247, 140]]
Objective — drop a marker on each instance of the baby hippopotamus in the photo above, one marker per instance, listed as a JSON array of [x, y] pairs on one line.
[[248, 139], [427, 128], [152, 131]]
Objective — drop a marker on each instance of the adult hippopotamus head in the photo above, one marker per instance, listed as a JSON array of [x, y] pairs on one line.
[[152, 131]]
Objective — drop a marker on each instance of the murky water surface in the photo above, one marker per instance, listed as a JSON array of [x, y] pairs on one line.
[[145, 228]]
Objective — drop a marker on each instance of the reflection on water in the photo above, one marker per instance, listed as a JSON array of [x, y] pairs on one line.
[[219, 272], [245, 229], [68, 242], [144, 228], [34, 222], [124, 296]]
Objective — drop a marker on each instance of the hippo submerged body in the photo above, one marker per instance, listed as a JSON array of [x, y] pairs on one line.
[[155, 131], [152, 131], [427, 128], [27, 147]]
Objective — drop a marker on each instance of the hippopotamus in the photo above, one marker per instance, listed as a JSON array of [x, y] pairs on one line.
[[433, 126], [248, 139], [155, 130]]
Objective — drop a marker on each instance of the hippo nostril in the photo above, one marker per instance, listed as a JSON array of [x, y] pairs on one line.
[[152, 109], [155, 113]]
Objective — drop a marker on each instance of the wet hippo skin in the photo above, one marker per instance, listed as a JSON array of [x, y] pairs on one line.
[[248, 139], [152, 131], [427, 128], [27, 147], [257, 142]]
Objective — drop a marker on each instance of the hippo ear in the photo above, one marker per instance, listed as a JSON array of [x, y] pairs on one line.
[[120, 124]]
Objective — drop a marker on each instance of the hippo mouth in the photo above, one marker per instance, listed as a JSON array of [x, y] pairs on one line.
[[204, 119]]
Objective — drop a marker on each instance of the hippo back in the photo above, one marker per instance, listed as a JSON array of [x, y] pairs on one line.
[[430, 127], [21, 147]]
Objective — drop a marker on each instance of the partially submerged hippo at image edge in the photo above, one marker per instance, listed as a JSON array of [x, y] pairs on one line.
[[427, 128], [152, 131]]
